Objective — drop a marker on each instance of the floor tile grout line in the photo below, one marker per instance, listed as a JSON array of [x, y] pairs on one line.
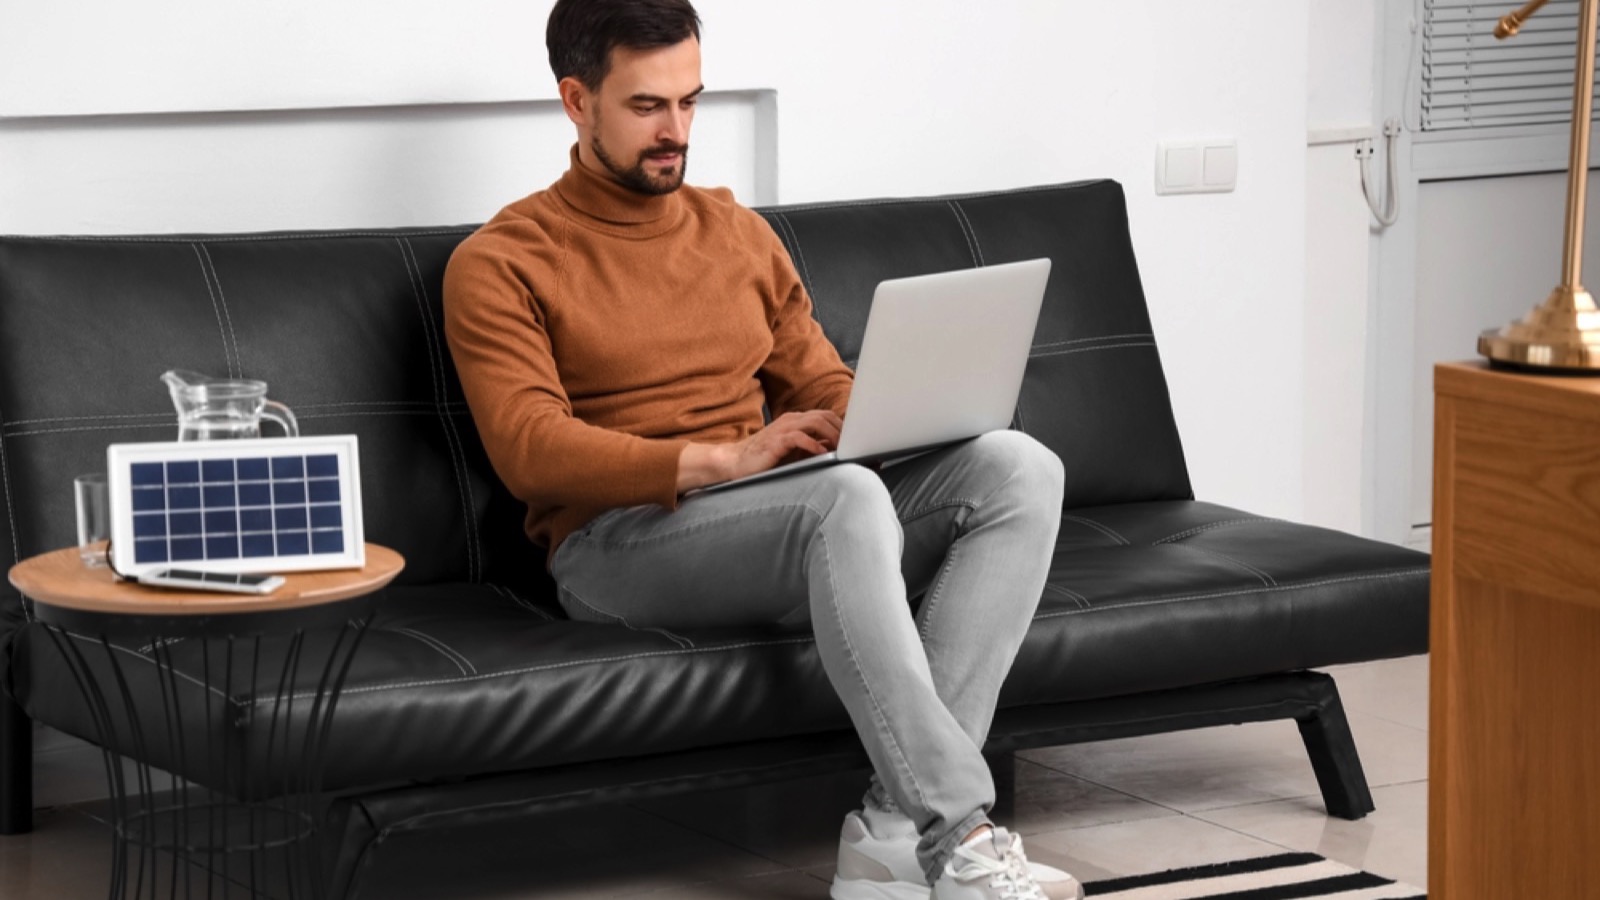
[[1116, 790], [1191, 812]]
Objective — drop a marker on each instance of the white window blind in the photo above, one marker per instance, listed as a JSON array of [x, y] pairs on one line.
[[1472, 80]]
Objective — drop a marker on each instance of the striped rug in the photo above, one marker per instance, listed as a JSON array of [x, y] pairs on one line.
[[1286, 877]]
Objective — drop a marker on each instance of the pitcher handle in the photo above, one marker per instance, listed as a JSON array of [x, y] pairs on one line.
[[274, 411]]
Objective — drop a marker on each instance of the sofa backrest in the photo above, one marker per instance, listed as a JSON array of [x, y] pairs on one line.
[[345, 327]]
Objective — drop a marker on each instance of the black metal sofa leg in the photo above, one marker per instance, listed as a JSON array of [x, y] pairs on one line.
[[1334, 759], [16, 768]]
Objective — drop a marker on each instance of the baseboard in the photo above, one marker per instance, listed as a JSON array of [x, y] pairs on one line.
[[1421, 538]]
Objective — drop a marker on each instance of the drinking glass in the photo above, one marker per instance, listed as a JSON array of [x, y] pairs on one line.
[[92, 500]]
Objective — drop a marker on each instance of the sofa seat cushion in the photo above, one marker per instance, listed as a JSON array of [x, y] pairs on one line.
[[464, 679], [1150, 596]]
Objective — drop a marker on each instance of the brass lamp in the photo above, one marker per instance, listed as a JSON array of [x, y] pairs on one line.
[[1564, 333]]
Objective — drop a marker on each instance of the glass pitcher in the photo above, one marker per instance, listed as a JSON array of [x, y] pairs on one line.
[[211, 409]]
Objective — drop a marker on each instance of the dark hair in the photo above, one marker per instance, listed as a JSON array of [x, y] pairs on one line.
[[582, 33]]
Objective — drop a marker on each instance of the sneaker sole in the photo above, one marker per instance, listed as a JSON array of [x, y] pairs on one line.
[[848, 889]]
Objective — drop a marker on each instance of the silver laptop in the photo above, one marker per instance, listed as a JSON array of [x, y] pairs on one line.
[[941, 361]]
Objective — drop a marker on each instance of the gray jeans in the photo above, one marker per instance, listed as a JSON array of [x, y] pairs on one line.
[[970, 528]]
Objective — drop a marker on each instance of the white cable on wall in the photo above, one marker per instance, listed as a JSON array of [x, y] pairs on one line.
[[1387, 208]]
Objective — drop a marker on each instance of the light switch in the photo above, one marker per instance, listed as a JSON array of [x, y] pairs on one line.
[[1221, 166], [1194, 167], [1183, 166]]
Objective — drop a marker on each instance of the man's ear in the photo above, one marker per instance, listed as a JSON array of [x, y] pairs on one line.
[[576, 100]]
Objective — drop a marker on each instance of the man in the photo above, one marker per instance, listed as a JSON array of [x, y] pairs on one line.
[[617, 336]]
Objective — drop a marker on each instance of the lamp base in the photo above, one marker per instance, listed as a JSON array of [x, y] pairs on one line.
[[1562, 334]]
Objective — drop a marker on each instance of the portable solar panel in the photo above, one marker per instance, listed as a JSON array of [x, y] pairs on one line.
[[260, 505]]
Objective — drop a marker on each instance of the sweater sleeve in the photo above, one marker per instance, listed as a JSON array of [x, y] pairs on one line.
[[804, 371], [495, 327]]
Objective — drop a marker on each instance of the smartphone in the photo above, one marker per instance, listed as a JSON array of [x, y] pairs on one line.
[[190, 580]]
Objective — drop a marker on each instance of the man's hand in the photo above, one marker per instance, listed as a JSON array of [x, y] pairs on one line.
[[792, 435]]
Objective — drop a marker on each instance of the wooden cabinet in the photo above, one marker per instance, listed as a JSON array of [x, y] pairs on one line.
[[1514, 768]]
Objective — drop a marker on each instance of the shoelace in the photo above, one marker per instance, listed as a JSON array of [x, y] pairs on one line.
[[1009, 875]]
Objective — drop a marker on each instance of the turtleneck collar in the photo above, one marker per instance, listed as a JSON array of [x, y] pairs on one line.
[[604, 200]]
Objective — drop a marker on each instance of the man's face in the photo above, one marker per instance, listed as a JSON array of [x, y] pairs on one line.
[[636, 127]]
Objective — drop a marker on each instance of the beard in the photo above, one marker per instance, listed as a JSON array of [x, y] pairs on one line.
[[635, 178]]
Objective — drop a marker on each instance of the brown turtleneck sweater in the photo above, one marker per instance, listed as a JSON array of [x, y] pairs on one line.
[[598, 331]]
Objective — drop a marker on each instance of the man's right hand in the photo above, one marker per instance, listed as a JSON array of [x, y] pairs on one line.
[[795, 434]]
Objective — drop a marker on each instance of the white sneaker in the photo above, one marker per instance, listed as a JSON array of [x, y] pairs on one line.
[[997, 869], [878, 861]]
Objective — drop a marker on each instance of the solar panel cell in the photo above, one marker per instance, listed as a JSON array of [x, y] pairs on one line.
[[259, 494], [288, 492], [186, 472], [323, 466], [187, 548], [183, 498], [256, 545], [147, 499], [216, 470], [147, 474]]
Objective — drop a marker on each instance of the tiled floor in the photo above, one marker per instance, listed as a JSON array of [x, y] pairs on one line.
[[1098, 810]]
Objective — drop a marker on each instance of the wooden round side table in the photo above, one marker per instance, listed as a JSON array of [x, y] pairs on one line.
[[232, 694]]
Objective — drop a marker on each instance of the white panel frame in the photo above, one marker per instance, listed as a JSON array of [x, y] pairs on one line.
[[120, 457]]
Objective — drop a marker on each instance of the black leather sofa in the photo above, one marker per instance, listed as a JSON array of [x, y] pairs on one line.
[[473, 698]]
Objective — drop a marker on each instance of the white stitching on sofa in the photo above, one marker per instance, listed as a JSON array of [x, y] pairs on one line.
[[781, 232], [436, 369], [1204, 528], [1090, 340], [341, 414], [810, 285], [970, 229], [419, 403], [1037, 355], [462, 231], [11, 508], [1409, 573], [1074, 596], [516, 598], [1103, 529], [176, 672], [205, 276], [164, 416], [238, 361], [462, 663], [1265, 578], [962, 224], [457, 447], [561, 665], [37, 431], [329, 415]]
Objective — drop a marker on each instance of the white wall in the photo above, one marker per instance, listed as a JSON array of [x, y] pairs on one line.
[[1490, 251], [300, 114], [1340, 47]]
